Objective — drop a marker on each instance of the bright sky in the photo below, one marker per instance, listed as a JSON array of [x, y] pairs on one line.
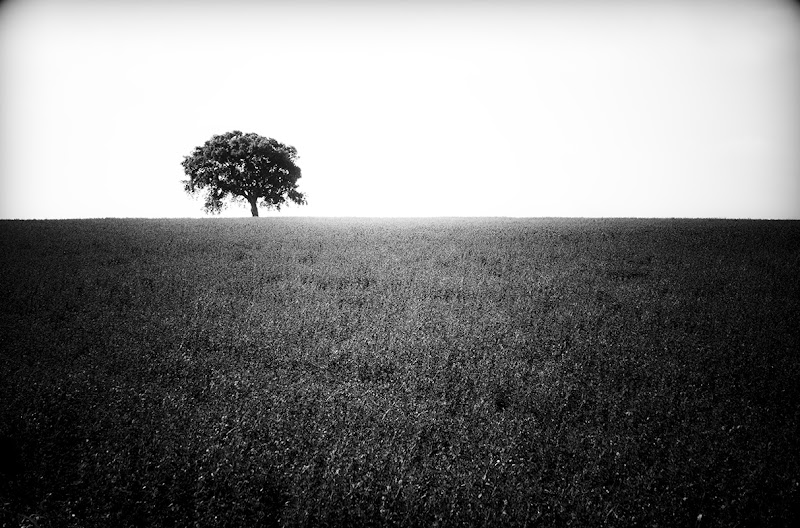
[[682, 108]]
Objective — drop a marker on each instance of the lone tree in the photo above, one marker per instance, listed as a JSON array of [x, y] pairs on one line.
[[244, 167]]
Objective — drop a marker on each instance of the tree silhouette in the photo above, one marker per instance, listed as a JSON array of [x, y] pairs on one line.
[[243, 167]]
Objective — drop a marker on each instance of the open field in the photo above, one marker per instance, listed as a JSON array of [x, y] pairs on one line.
[[310, 372]]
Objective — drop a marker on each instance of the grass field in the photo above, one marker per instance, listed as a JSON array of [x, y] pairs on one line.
[[420, 372]]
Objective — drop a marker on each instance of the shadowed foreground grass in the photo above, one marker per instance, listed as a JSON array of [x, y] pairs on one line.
[[303, 372]]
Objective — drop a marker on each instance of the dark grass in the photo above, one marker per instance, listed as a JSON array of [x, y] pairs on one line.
[[399, 372]]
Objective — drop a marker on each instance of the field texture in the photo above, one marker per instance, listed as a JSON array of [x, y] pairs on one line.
[[311, 372]]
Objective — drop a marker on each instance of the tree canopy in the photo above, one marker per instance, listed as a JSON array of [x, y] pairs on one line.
[[243, 167]]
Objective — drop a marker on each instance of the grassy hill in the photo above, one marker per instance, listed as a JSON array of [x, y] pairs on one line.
[[420, 372]]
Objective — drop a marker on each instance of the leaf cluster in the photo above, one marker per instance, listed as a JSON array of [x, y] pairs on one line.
[[246, 167]]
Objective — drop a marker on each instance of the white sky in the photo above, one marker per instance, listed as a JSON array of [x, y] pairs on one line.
[[573, 108]]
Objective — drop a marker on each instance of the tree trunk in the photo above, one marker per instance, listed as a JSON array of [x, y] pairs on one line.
[[253, 207]]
